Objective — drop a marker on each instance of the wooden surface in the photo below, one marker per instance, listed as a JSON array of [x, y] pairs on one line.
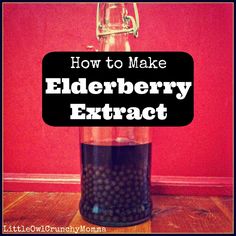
[[170, 214]]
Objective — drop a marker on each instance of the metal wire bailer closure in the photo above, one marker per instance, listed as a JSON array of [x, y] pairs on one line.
[[130, 29]]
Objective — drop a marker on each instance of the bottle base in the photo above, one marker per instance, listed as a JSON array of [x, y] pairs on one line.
[[116, 224]]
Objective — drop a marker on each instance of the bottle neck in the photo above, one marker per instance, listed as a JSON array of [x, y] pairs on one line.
[[113, 16], [114, 13], [115, 42]]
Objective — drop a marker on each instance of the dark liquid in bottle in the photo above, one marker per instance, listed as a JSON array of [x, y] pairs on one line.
[[116, 184]]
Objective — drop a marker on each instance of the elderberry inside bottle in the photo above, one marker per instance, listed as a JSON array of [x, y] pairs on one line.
[[115, 180], [115, 161]]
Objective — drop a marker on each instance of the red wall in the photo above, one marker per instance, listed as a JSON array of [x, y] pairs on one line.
[[203, 148]]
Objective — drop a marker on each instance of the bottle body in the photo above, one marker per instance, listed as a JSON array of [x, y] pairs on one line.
[[115, 161], [115, 182]]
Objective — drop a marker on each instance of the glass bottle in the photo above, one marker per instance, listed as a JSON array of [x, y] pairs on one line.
[[115, 176]]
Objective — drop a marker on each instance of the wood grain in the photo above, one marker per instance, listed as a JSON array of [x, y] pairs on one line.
[[12, 198], [188, 214], [225, 205], [171, 214], [54, 209]]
